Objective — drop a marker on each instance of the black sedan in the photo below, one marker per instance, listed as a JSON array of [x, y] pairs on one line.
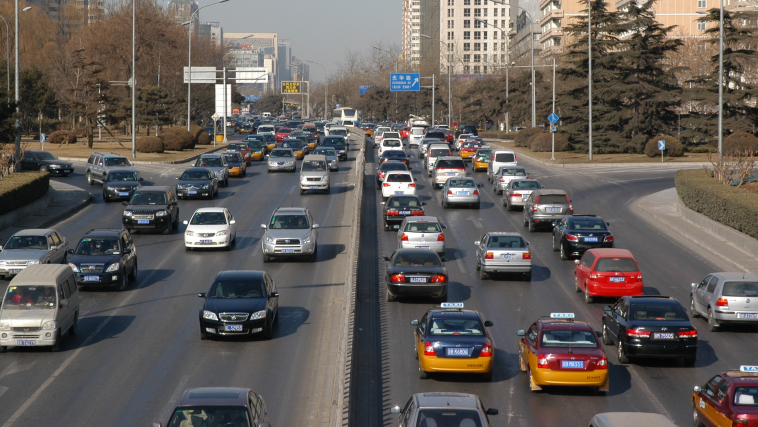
[[240, 303], [397, 208], [45, 162], [197, 182], [120, 183], [392, 165], [396, 155], [415, 272], [573, 235], [650, 327]]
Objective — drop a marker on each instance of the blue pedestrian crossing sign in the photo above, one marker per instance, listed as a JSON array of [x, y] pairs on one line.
[[405, 82], [662, 145], [553, 118]]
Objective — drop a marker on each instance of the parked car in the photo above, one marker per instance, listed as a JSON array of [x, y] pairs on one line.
[[45, 162], [725, 298], [31, 247], [105, 257]]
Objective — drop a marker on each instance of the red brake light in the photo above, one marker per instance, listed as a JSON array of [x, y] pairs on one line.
[[571, 238], [740, 420], [428, 349], [381, 174], [687, 334], [488, 255], [502, 179], [486, 351], [542, 361], [526, 255], [722, 302], [602, 363], [476, 192], [412, 184], [417, 213], [441, 237], [398, 278], [449, 193], [386, 184], [571, 207], [392, 212], [637, 333], [608, 239], [438, 278], [404, 237]]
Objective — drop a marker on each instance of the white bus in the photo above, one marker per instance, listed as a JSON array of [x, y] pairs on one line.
[[341, 115]]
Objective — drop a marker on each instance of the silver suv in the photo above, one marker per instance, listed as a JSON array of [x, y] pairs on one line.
[[290, 232], [100, 164], [447, 167], [545, 207], [314, 174], [422, 232]]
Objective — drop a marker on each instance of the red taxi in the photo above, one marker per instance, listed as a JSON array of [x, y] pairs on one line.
[[728, 399], [242, 148], [604, 272], [283, 133]]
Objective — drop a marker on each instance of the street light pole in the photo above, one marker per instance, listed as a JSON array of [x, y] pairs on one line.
[[17, 158], [134, 79], [449, 81], [326, 82]]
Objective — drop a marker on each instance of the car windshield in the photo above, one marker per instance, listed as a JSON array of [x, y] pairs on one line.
[[392, 143], [333, 141], [439, 152], [254, 145], [289, 222], [26, 297], [399, 177], [657, 311], [448, 418], [342, 132], [483, 153], [512, 172], [505, 157], [526, 185], [26, 242], [403, 202], [44, 155], [568, 338], [233, 147], [149, 198], [587, 224], [422, 227], [98, 246], [211, 162], [233, 157], [468, 327], [208, 218], [417, 259], [437, 135], [506, 242], [552, 199], [116, 161], [195, 176], [122, 176], [238, 288], [281, 153], [450, 164], [285, 130], [313, 165], [211, 415], [292, 144], [623, 265], [746, 396], [393, 166], [328, 152], [394, 154], [740, 289]]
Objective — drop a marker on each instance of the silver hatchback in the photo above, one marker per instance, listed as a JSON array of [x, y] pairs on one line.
[[544, 207], [505, 175], [725, 298], [460, 191], [422, 232], [447, 167], [517, 191]]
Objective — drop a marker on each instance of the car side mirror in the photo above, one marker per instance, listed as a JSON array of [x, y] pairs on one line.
[[520, 332], [52, 248], [386, 258], [598, 334], [444, 227], [381, 203], [264, 425], [607, 308], [395, 410], [488, 323], [492, 411], [125, 203], [273, 294], [263, 226], [477, 243], [173, 203], [70, 251], [232, 222], [201, 295], [141, 179], [697, 389], [576, 261], [423, 203], [315, 226], [177, 178], [64, 303], [127, 251], [694, 285], [608, 224], [185, 222]]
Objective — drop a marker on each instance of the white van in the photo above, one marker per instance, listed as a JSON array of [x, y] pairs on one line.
[[499, 159], [391, 144]]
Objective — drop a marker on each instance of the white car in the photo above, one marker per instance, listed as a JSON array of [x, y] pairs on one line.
[[378, 134], [210, 228], [391, 144], [461, 139], [398, 182], [415, 137], [348, 124]]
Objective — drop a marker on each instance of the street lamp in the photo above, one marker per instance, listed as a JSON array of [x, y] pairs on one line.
[[17, 159], [7, 59], [449, 79], [326, 82], [721, 77], [189, 60]]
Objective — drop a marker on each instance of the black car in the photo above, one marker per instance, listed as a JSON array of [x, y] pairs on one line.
[[219, 406], [240, 303], [391, 165], [197, 182], [573, 235], [650, 327], [104, 257], [152, 208], [468, 129], [397, 208], [120, 183], [395, 155], [338, 143], [45, 162], [415, 272]]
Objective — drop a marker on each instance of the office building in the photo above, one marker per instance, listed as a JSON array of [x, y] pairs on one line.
[[211, 31], [181, 11], [284, 60], [255, 50]]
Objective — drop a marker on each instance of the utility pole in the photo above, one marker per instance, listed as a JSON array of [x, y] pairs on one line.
[[589, 69]]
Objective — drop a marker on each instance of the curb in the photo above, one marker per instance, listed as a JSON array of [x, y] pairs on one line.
[[66, 213], [140, 162], [8, 219]]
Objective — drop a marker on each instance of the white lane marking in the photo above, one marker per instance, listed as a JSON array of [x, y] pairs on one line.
[[460, 264], [15, 367], [174, 397], [475, 220], [3, 390]]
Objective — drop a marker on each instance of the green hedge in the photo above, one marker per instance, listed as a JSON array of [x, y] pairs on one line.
[[19, 189], [731, 206]]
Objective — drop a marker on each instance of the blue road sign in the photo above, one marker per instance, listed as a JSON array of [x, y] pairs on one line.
[[662, 145], [553, 118], [42, 138], [405, 82], [362, 89]]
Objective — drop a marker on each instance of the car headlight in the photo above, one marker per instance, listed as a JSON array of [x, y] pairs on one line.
[[73, 267], [54, 166], [50, 324], [209, 315], [189, 233], [269, 239], [308, 239], [290, 163], [32, 262], [258, 315], [127, 213], [111, 268], [161, 213], [205, 187], [180, 186], [272, 163], [222, 233], [5, 326]]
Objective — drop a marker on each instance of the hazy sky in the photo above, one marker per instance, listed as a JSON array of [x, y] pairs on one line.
[[320, 30]]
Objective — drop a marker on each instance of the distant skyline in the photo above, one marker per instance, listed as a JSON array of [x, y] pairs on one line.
[[319, 30]]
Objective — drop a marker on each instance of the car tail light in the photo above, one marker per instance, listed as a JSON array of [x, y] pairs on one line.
[[441, 237], [536, 202], [637, 333], [412, 184], [571, 207], [571, 238], [722, 302], [639, 276], [428, 349], [449, 193], [381, 174], [502, 179], [687, 334], [417, 213], [526, 255], [488, 255], [476, 192], [740, 420], [515, 158], [438, 278], [460, 169], [404, 237], [593, 275], [392, 212], [398, 278], [542, 361], [486, 351], [608, 239], [602, 363], [386, 184]]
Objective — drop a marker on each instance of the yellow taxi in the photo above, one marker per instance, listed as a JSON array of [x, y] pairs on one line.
[[451, 339], [271, 144], [368, 129], [482, 159], [559, 351], [297, 147], [468, 149], [728, 399], [257, 150]]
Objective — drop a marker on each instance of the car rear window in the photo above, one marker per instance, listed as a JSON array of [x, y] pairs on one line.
[[417, 131], [439, 152], [450, 164], [568, 338], [399, 177], [469, 327], [422, 227], [417, 259], [623, 265], [553, 199], [403, 202], [512, 172], [461, 183], [438, 135], [657, 311], [505, 157], [740, 289], [448, 418], [746, 396], [393, 166], [394, 154], [587, 224], [526, 185], [506, 242], [392, 143]]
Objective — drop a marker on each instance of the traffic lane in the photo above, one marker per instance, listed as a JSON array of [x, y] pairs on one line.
[[168, 274]]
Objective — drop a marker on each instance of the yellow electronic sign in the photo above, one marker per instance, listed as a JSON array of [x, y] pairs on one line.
[[290, 87]]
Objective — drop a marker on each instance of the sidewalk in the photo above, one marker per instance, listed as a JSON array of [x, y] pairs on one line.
[[61, 201], [710, 239]]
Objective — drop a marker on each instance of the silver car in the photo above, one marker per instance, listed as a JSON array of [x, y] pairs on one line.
[[440, 408], [725, 298], [434, 151], [425, 143], [281, 159], [517, 191], [544, 207], [290, 233], [447, 167], [331, 157], [314, 174], [504, 176], [29, 247], [217, 163], [501, 252], [460, 191], [422, 232]]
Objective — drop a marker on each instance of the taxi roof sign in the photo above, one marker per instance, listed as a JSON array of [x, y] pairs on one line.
[[561, 315], [451, 305], [748, 368]]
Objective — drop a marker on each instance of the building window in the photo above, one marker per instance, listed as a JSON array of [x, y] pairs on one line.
[[449, 47], [466, 47], [477, 2], [502, 12], [477, 35], [466, 12], [466, 23], [466, 69], [494, 11], [450, 35], [484, 47], [451, 13], [466, 57], [466, 2], [477, 13], [702, 4], [701, 25], [477, 47], [485, 12], [502, 47], [494, 46], [485, 35], [502, 57], [485, 69], [451, 2], [476, 69], [701, 47], [494, 35], [477, 23], [477, 57], [502, 23], [467, 35], [450, 23]]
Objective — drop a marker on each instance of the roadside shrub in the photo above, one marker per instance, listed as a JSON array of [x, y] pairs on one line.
[[150, 144], [62, 137], [740, 142], [731, 206], [195, 132], [544, 142], [533, 138], [171, 141], [673, 147], [184, 136], [495, 135], [204, 138], [522, 138], [21, 188]]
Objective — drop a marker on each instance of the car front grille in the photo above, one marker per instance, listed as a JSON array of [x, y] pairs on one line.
[[313, 179], [288, 242], [233, 317], [26, 329], [91, 268], [206, 234], [143, 216], [16, 263]]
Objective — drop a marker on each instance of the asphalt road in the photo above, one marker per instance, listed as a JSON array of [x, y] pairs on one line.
[[136, 351], [384, 338]]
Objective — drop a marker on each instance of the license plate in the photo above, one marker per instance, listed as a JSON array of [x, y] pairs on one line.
[[206, 242], [663, 335], [508, 256], [91, 278], [280, 166], [617, 279], [288, 251], [143, 221], [457, 352], [451, 174], [313, 187], [405, 212], [747, 315], [399, 192], [14, 271], [123, 194], [67, 171], [25, 343], [191, 192], [418, 279], [590, 239], [463, 193], [572, 364], [422, 247], [553, 210], [233, 328]]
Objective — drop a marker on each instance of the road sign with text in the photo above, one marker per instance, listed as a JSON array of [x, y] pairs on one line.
[[405, 82], [291, 87]]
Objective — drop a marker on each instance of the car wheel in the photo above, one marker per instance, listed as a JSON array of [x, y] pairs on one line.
[[226, 182], [531, 225], [532, 385], [228, 247], [526, 222], [89, 179], [328, 190], [482, 275], [487, 377], [176, 221], [169, 228], [505, 205], [57, 346], [390, 297], [268, 331], [693, 312], [187, 248], [606, 337], [478, 265], [528, 277], [422, 374], [313, 256], [3, 349], [302, 191], [499, 192], [623, 358], [477, 205], [266, 258], [42, 169], [563, 252], [204, 337], [713, 325], [135, 272], [72, 328], [555, 247], [695, 420], [587, 298], [444, 204], [121, 286], [105, 198], [576, 284]]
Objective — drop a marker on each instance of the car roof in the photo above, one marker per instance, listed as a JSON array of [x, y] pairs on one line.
[[197, 169], [403, 172], [33, 232], [108, 153], [122, 169], [733, 275], [160, 188], [449, 158], [104, 232], [630, 419], [446, 400], [523, 179], [290, 210], [41, 275], [454, 313], [214, 209], [240, 274], [208, 156], [421, 218], [611, 252], [315, 157], [549, 324], [214, 396], [547, 191], [504, 233]]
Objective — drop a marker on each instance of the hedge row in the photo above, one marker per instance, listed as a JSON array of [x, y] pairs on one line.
[[177, 139], [731, 206], [22, 188], [200, 136], [150, 144]]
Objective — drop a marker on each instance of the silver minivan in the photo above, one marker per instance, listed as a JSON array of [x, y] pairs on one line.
[[314, 174], [39, 306], [725, 298]]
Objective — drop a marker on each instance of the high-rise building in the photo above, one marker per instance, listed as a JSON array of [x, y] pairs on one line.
[[78, 11], [301, 71], [182, 10], [284, 60], [211, 31], [411, 44], [256, 50]]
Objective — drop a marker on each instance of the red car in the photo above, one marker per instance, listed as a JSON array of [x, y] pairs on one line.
[[604, 272], [449, 137], [405, 132], [728, 399], [242, 148], [283, 133]]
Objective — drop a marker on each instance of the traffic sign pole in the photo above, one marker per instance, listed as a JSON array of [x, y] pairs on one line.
[[662, 147]]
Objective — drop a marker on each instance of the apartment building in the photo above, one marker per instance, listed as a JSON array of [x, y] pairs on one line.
[[411, 44]]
